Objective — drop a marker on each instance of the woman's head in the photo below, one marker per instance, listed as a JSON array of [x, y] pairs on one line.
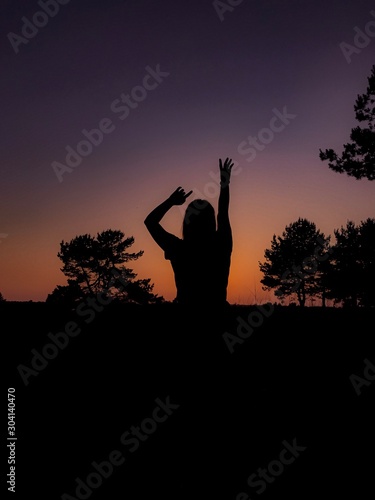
[[199, 221]]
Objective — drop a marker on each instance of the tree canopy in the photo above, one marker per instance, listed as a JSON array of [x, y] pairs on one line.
[[358, 157], [351, 277], [302, 263], [294, 263], [95, 265]]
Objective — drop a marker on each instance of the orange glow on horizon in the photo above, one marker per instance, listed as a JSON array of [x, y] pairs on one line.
[[259, 208]]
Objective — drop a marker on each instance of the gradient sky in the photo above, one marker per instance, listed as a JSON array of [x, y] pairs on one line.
[[225, 79]]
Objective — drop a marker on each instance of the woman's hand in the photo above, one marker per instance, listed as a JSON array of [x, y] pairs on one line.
[[225, 171], [179, 196]]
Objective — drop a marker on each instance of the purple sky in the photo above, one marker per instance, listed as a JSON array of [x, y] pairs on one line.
[[225, 78]]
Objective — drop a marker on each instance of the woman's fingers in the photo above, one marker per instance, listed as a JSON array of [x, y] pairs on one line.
[[228, 164], [181, 193]]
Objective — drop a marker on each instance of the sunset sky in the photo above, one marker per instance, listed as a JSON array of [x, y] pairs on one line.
[[221, 81]]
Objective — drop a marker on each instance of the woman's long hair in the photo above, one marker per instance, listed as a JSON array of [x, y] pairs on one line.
[[199, 223]]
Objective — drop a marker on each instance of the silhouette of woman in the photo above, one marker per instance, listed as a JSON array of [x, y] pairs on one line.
[[201, 259]]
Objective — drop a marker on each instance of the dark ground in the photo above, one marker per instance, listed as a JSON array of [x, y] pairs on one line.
[[288, 381]]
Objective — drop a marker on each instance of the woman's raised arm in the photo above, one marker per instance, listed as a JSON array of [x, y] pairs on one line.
[[152, 221], [223, 209]]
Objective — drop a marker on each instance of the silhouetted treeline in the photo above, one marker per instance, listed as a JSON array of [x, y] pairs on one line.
[[302, 264], [95, 268]]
